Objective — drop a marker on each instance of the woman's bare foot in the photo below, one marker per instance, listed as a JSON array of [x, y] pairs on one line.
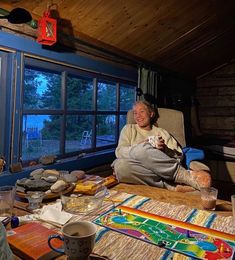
[[196, 179], [202, 179]]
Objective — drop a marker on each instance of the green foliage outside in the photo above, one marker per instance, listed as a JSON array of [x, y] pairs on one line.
[[42, 91]]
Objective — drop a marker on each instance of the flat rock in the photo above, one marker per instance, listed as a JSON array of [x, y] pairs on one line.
[[34, 185]]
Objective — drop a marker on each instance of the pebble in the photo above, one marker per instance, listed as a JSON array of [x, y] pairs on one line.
[[79, 174], [70, 178], [60, 185], [51, 172], [37, 174], [50, 178]]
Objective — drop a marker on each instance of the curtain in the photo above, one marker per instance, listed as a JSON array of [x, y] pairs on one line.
[[147, 85]]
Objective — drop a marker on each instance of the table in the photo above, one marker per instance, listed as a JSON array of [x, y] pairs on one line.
[[169, 203], [223, 208]]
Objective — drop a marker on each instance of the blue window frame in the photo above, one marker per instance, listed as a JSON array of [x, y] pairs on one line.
[[76, 81], [67, 111]]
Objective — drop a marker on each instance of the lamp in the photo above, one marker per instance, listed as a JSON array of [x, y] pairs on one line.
[[47, 29]]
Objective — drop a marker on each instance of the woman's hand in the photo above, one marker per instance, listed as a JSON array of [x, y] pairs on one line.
[[159, 143]]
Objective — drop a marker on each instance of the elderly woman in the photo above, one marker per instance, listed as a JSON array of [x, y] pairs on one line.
[[149, 155]]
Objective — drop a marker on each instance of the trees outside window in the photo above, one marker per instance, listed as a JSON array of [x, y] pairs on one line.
[[67, 111]]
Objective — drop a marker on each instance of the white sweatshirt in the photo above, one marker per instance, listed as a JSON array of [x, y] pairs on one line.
[[132, 134]]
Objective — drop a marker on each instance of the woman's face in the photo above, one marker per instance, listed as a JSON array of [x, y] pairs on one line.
[[142, 116]]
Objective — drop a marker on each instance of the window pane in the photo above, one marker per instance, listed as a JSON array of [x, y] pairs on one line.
[[122, 122], [107, 96], [42, 90], [105, 130], [127, 97], [79, 93], [78, 133], [41, 136]]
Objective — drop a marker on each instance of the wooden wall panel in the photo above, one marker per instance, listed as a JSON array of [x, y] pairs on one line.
[[213, 91], [221, 111], [222, 134], [216, 96], [217, 101], [218, 123]]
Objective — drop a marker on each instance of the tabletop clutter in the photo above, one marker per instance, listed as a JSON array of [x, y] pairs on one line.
[[72, 203], [49, 181], [76, 192], [53, 197], [47, 184]]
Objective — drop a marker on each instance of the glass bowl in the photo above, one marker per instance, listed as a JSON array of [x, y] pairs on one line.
[[77, 203]]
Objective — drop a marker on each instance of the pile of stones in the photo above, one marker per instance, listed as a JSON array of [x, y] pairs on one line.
[[49, 181]]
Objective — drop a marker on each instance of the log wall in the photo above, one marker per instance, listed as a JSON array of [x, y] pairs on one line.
[[216, 96]]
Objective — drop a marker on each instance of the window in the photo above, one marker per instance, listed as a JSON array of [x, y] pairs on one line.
[[5, 115], [67, 111]]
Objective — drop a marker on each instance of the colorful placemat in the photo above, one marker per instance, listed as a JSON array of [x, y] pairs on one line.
[[178, 236], [115, 245]]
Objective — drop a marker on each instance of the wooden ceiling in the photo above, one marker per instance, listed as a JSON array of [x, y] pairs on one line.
[[191, 37]]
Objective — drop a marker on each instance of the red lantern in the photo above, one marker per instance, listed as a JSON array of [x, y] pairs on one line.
[[47, 29]]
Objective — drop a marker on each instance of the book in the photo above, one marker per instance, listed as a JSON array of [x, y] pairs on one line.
[[29, 241]]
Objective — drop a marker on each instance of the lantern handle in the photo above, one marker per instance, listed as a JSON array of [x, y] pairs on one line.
[[50, 5], [47, 13]]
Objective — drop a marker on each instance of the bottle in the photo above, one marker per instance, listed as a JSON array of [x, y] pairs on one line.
[[15, 221]]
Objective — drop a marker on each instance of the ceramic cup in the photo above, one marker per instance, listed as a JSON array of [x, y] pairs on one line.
[[208, 198], [78, 238]]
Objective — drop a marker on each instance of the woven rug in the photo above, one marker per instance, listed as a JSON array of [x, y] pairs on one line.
[[115, 245]]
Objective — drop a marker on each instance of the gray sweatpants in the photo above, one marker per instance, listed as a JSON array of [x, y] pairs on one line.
[[146, 165]]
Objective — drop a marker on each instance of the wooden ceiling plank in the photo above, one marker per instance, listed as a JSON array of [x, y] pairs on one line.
[[165, 32]]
